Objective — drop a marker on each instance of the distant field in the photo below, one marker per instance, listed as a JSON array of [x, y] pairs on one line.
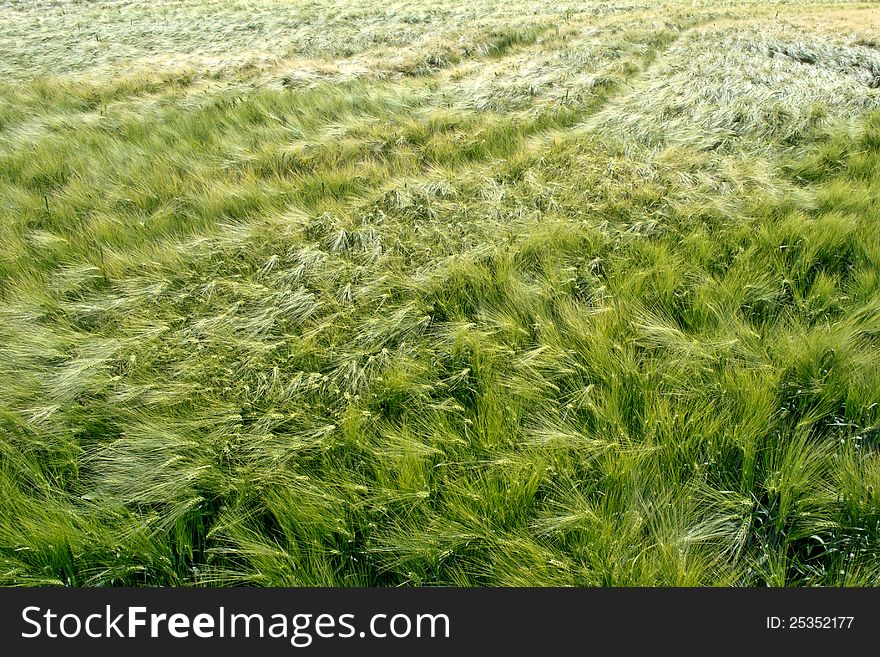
[[519, 293]]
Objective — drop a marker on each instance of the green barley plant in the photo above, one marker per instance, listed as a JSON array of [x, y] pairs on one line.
[[439, 293]]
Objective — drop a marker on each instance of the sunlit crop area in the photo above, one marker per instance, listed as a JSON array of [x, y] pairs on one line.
[[386, 293]]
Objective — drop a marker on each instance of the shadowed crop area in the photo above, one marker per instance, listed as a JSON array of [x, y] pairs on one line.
[[518, 293]]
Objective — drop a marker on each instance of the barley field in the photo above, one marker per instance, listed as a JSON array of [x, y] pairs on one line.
[[442, 292]]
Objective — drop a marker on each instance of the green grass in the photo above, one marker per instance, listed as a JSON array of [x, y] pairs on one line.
[[517, 301]]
